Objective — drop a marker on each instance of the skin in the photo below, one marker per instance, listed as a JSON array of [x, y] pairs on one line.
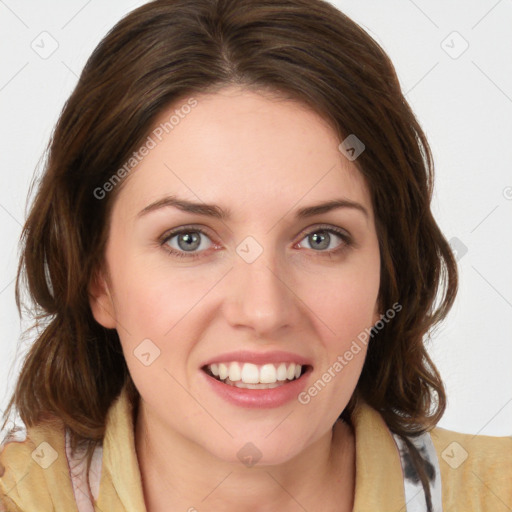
[[262, 159]]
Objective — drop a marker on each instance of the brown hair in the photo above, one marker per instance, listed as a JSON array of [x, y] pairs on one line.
[[304, 50]]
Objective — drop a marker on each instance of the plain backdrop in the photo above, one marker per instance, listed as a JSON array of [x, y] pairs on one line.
[[454, 61]]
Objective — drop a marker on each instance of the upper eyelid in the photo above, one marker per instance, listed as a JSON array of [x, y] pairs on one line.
[[171, 233]]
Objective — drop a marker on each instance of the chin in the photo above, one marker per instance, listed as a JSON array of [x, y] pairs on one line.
[[250, 452]]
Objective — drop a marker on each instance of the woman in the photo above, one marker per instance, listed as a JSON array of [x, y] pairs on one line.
[[233, 249]]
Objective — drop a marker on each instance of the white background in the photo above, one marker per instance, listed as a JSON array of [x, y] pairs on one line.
[[464, 104]]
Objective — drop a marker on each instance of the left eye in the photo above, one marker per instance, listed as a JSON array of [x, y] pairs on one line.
[[322, 239]]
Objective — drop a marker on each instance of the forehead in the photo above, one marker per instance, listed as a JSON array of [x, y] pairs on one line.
[[245, 150]]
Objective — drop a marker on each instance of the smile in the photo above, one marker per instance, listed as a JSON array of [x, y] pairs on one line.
[[252, 376]]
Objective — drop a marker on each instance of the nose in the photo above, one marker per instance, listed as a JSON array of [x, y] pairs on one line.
[[260, 296]]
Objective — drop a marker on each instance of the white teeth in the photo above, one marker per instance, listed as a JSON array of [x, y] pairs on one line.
[[268, 374], [281, 372], [243, 385], [235, 372], [223, 371], [248, 373]]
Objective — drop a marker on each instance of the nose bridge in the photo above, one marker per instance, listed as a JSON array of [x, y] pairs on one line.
[[258, 296]]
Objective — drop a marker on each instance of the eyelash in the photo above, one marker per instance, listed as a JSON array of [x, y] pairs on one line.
[[347, 241]]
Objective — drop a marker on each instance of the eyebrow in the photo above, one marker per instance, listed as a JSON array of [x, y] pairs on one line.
[[212, 210]]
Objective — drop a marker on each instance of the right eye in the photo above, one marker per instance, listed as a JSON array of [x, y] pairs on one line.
[[186, 242]]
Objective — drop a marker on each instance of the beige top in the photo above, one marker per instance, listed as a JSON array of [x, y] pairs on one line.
[[476, 471]]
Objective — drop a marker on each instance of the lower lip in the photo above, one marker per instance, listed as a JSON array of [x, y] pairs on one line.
[[259, 398]]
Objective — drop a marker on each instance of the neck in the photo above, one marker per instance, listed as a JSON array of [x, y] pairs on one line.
[[178, 474]]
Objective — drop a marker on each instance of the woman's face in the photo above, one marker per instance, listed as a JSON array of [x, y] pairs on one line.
[[261, 279]]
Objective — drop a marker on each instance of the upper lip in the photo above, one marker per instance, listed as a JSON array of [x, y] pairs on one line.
[[259, 358]]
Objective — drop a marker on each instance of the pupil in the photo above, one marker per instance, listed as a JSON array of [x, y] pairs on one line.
[[321, 237], [191, 241]]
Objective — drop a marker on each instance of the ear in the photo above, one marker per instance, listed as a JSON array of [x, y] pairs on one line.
[[100, 300]]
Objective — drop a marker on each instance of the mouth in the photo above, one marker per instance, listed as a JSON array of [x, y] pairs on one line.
[[253, 376]]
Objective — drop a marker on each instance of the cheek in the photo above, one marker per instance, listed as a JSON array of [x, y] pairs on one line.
[[151, 298], [156, 303], [346, 300], [345, 310], [151, 308]]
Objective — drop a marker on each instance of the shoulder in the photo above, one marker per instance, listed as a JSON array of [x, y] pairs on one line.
[[34, 473], [476, 470]]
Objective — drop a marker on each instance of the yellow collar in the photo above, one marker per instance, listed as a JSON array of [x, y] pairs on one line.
[[379, 479]]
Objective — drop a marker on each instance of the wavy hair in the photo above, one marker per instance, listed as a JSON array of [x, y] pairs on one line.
[[305, 50]]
